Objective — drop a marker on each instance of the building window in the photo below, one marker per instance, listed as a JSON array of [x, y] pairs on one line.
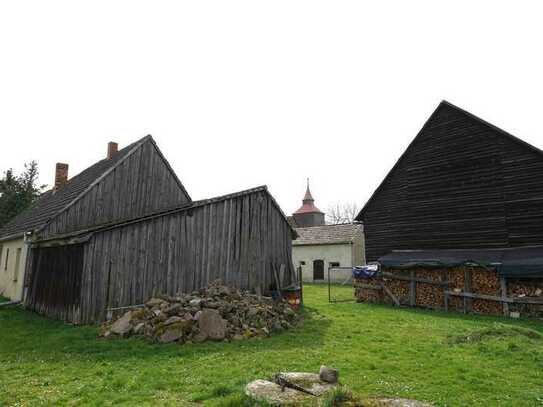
[[334, 264], [6, 259], [17, 264], [302, 263]]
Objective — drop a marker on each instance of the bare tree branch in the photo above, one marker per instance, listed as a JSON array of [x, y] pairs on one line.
[[342, 213]]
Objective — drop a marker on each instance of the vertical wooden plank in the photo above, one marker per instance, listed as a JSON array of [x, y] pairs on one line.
[[503, 286], [412, 289], [468, 302]]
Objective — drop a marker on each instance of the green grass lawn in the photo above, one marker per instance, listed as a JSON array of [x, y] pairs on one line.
[[379, 350]]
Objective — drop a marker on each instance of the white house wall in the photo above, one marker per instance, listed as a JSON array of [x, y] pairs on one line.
[[12, 271], [337, 253]]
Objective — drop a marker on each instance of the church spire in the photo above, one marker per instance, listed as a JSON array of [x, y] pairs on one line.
[[308, 203]]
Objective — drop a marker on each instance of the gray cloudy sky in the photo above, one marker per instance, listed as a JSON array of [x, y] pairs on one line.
[[239, 94]]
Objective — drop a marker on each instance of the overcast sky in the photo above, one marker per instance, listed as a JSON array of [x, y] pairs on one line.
[[239, 94]]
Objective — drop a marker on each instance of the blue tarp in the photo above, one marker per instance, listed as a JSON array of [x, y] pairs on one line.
[[367, 271]]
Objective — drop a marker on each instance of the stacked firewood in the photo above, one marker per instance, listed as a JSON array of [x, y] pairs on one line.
[[482, 281], [429, 295], [369, 295], [522, 289], [486, 281], [455, 277], [399, 288], [525, 288]]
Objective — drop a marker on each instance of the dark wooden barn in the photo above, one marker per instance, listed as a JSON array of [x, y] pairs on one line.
[[461, 184], [125, 229]]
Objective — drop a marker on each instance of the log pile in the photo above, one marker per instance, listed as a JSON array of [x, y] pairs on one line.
[[455, 277], [399, 288], [486, 281], [526, 289], [430, 295], [474, 280], [218, 313], [369, 295]]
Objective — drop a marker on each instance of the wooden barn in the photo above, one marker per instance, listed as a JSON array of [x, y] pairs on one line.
[[131, 231], [463, 190]]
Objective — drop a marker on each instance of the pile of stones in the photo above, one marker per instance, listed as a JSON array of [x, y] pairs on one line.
[[217, 313]]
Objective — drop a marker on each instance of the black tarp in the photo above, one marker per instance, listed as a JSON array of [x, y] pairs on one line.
[[518, 262]]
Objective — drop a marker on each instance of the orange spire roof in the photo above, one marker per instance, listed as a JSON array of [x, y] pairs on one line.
[[308, 206]]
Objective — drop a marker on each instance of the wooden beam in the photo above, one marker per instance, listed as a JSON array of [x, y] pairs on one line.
[[510, 300], [369, 286], [396, 276], [396, 301]]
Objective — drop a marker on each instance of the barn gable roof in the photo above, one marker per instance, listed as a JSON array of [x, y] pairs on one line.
[[431, 121], [51, 203]]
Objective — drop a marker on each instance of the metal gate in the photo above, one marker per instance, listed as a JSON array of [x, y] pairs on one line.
[[340, 284]]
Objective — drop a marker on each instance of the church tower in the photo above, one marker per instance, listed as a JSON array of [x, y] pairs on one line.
[[308, 214]]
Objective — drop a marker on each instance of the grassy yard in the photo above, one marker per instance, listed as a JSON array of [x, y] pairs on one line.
[[378, 349]]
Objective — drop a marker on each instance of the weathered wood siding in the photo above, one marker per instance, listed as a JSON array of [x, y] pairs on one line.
[[238, 240], [139, 185], [462, 183]]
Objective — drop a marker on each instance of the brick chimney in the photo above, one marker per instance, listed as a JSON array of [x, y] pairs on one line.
[[112, 148], [61, 175]]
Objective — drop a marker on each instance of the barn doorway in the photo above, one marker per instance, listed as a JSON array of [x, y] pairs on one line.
[[55, 285], [318, 269]]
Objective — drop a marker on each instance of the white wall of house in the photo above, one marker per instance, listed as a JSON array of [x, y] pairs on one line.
[[328, 253], [12, 266]]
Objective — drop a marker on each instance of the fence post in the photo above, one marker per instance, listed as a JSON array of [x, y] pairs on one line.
[[329, 294], [301, 286]]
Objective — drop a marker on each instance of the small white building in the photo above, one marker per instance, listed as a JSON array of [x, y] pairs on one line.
[[320, 246]]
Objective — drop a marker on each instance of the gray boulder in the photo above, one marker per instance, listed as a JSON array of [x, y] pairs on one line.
[[122, 326], [212, 324], [174, 332]]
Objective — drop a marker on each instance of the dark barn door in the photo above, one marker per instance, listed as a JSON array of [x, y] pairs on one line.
[[55, 286], [318, 270]]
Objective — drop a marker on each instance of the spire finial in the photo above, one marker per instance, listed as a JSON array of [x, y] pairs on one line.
[[307, 196]]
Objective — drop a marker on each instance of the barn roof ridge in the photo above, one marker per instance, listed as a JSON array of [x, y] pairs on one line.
[[50, 205], [426, 123]]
